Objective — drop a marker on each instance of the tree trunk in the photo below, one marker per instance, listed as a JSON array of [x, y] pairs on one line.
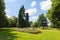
[[43, 27]]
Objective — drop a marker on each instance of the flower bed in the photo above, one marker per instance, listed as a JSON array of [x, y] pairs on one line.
[[28, 30]]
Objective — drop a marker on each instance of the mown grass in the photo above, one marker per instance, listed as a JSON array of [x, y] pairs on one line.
[[11, 34]]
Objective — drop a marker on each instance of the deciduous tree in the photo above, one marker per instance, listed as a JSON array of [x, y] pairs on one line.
[[3, 17]]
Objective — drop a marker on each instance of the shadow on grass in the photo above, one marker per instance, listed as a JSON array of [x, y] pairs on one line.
[[5, 34]]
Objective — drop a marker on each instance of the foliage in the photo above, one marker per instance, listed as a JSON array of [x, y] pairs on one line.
[[30, 22], [42, 21], [3, 17], [54, 13], [23, 18], [27, 20], [12, 21], [35, 24]]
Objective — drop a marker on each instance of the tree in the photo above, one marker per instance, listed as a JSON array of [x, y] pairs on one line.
[[35, 25], [54, 13], [12, 21], [3, 17], [27, 17], [21, 17], [27, 20], [42, 21]]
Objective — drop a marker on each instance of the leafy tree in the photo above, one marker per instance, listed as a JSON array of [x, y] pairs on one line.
[[54, 13], [35, 25], [42, 21], [12, 21], [3, 17]]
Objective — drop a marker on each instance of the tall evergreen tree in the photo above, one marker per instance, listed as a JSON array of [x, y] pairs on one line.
[[21, 17], [3, 17], [27, 20], [27, 17]]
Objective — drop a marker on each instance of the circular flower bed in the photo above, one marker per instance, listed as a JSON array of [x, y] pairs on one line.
[[28, 30]]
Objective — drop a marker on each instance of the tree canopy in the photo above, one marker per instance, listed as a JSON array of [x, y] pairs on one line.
[[54, 13], [3, 17], [42, 21]]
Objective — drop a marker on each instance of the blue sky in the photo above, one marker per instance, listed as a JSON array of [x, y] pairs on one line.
[[33, 7]]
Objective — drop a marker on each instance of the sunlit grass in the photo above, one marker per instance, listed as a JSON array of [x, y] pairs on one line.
[[11, 34]]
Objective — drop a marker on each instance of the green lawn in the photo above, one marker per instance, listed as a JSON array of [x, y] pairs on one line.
[[11, 34]]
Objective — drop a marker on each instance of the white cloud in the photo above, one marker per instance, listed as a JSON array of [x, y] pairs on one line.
[[45, 5], [33, 18], [31, 11], [33, 3]]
